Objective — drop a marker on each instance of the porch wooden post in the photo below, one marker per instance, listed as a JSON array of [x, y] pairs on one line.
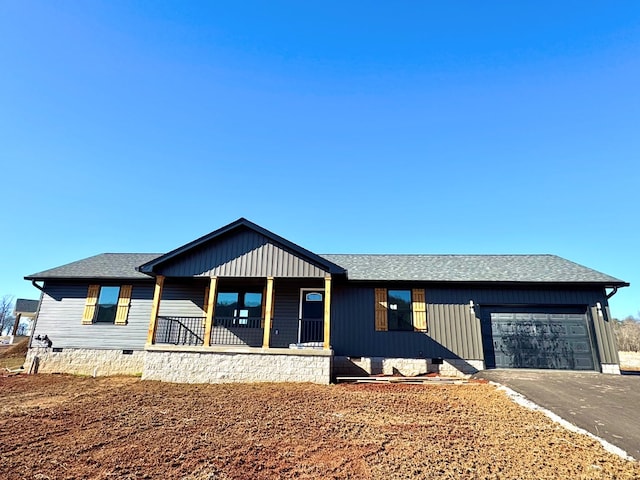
[[155, 308], [327, 312], [267, 314], [211, 305], [15, 324]]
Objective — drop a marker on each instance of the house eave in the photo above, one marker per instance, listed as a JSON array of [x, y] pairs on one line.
[[89, 278], [497, 283]]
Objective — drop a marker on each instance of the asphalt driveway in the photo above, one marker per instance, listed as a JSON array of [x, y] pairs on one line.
[[606, 405]]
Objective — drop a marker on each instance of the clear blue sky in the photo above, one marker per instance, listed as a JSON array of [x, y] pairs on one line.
[[346, 127]]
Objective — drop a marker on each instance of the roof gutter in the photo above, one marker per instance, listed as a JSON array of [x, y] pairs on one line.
[[612, 293], [145, 270]]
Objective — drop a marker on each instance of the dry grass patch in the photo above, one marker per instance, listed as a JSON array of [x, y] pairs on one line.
[[13, 356]]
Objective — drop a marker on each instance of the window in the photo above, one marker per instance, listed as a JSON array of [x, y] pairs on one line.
[[239, 307], [107, 304], [313, 297], [399, 310]]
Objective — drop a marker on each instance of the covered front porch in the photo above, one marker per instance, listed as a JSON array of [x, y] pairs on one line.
[[281, 313], [240, 330], [240, 304]]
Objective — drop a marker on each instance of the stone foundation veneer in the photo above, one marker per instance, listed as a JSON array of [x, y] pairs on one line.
[[233, 365], [82, 361], [227, 365], [410, 367]]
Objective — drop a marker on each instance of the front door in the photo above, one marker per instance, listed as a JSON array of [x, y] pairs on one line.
[[311, 316]]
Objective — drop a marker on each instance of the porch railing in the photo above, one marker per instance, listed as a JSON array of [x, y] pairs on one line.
[[247, 331], [180, 330], [237, 331], [311, 330]]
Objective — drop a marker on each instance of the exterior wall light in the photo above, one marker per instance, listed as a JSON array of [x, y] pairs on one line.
[[599, 308]]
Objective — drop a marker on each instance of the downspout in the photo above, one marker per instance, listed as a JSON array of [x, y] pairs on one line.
[[33, 368], [616, 356]]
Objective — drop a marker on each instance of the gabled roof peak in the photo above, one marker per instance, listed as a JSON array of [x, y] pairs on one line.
[[242, 222]]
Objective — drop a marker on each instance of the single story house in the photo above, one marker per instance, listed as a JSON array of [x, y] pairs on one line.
[[244, 304]]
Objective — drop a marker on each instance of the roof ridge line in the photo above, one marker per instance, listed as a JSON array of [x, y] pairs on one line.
[[447, 254]]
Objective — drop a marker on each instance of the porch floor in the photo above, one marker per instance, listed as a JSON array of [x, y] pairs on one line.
[[159, 347]]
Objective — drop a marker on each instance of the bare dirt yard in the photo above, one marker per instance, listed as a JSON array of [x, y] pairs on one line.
[[64, 427]]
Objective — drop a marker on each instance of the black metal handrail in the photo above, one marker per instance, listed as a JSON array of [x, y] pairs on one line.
[[238, 322], [311, 330], [180, 330], [237, 331]]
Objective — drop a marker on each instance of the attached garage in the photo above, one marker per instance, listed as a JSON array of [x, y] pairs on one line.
[[538, 339]]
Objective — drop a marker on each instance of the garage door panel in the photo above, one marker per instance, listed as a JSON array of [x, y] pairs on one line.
[[541, 340], [577, 330]]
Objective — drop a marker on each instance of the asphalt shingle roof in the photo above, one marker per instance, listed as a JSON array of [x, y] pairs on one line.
[[105, 265], [468, 268], [429, 268], [25, 305]]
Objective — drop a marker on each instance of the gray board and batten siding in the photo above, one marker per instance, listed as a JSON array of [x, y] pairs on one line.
[[607, 346], [63, 304], [60, 318], [284, 329], [454, 330], [245, 254]]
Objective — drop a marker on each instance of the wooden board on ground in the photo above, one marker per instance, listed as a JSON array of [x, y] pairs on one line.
[[403, 380]]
